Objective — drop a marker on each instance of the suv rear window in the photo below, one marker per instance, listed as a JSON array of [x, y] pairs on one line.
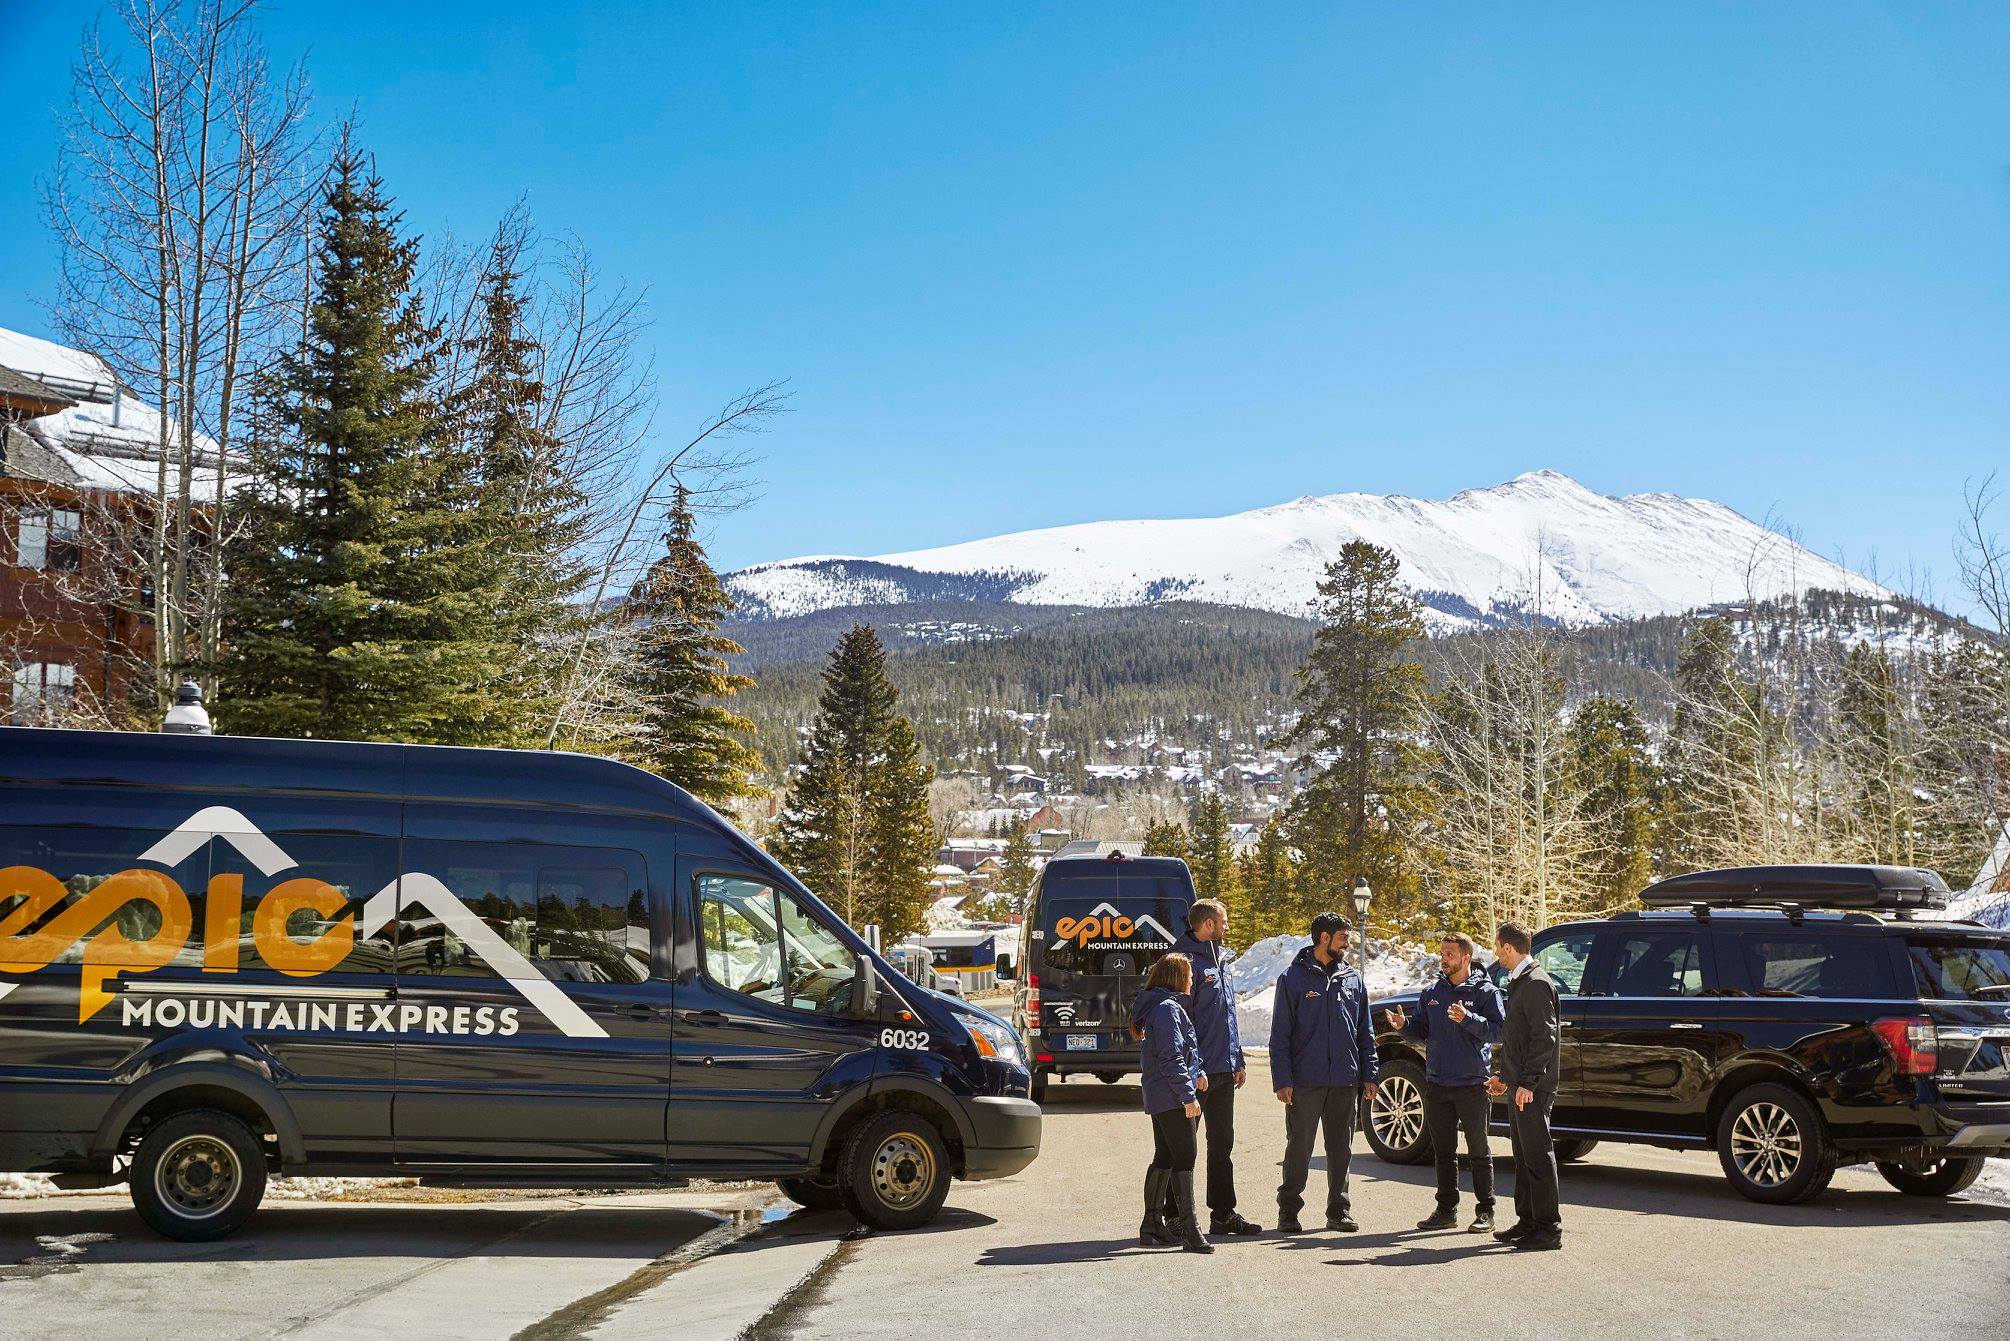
[[1819, 966], [1961, 970]]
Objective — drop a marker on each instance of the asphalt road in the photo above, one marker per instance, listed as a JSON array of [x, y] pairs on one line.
[[1657, 1244]]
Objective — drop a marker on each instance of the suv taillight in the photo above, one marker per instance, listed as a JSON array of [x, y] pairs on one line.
[[1033, 1001], [1914, 1044]]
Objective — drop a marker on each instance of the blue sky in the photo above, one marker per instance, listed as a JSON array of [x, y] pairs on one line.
[[1032, 265]]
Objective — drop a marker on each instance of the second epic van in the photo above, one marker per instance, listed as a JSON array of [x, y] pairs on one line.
[[224, 958], [1094, 928]]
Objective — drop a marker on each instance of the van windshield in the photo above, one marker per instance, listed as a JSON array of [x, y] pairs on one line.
[[1100, 926]]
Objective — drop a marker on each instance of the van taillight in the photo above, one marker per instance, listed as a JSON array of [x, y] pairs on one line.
[[1032, 1001], [1914, 1044]]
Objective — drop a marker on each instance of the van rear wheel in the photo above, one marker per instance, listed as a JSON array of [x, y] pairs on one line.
[[895, 1172], [198, 1175]]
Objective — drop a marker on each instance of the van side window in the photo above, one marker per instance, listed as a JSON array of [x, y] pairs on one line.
[[71, 887], [332, 877], [568, 914], [765, 944]]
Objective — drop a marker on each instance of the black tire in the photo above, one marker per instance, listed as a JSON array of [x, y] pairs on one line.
[[1109, 1077], [1570, 1149], [1039, 1087], [895, 1171], [198, 1175], [1774, 1146], [1394, 1120], [1942, 1178], [811, 1194]]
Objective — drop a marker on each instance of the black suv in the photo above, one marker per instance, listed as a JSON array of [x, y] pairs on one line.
[[1795, 1018]]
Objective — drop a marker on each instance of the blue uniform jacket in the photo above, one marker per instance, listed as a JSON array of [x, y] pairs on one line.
[[1458, 1054], [1171, 1052], [1211, 1005], [1319, 1030]]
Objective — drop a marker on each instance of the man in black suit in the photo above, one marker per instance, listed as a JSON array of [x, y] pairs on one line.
[[1530, 1056]]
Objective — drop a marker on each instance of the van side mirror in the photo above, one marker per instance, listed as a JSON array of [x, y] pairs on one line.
[[865, 989], [1005, 968]]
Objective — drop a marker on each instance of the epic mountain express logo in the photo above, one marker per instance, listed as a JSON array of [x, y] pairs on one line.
[[108, 953], [1104, 926]]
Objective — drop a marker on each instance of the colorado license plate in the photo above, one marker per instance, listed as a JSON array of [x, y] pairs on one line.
[[1081, 1043]]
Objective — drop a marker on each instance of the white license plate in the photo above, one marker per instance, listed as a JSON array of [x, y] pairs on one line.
[[1080, 1043]]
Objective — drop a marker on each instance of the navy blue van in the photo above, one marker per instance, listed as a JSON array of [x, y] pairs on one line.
[[227, 958], [1094, 927]]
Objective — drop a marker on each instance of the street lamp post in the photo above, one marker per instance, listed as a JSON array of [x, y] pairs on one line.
[[1362, 897]]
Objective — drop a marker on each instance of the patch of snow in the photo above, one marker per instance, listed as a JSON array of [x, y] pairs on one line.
[[1393, 966], [1466, 557]]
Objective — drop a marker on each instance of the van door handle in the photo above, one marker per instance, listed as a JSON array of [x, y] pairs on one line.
[[639, 1012], [1685, 1024], [703, 1017]]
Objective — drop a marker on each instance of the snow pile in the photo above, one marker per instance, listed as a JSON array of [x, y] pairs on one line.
[[1466, 557], [1393, 966], [1987, 900]]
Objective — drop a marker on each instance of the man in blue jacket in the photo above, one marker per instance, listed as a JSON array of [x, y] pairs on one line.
[[1322, 1056], [1213, 1010], [1458, 1020]]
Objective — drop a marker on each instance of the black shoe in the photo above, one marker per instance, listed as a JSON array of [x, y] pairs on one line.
[[1440, 1219], [1483, 1223], [1288, 1224], [1342, 1224], [1188, 1229], [1514, 1233], [1541, 1240], [1232, 1225]]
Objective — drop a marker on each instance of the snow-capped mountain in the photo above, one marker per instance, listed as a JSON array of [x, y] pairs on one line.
[[1472, 559]]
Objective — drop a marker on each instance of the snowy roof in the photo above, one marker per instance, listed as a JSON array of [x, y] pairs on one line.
[[108, 438]]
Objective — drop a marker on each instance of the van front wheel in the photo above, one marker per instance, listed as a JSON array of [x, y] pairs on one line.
[[198, 1175], [895, 1172]]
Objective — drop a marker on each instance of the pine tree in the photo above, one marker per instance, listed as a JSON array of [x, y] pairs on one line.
[[1359, 694], [856, 829], [1615, 769], [1211, 858], [1016, 870], [517, 521], [1876, 759], [1165, 840], [677, 671], [1273, 904], [345, 617]]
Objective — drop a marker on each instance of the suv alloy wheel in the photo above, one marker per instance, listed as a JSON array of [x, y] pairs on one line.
[[1773, 1145], [1942, 1178], [1395, 1118]]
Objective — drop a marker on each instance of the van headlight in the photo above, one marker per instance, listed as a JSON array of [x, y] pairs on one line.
[[994, 1040]]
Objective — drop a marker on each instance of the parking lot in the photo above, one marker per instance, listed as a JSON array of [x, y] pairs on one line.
[[1657, 1244]]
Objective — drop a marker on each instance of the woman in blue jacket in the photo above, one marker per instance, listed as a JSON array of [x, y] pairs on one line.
[[1173, 1082]]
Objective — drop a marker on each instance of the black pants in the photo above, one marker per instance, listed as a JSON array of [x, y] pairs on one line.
[[1332, 1108], [1217, 1115], [1449, 1110], [1173, 1144], [1535, 1200]]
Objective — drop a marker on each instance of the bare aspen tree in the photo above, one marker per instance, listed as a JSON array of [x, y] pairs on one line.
[[179, 199]]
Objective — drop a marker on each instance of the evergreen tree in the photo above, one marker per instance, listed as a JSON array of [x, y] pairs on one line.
[[856, 829], [1212, 861], [1615, 769], [1709, 752], [678, 673], [1876, 763], [1273, 905], [347, 616], [1165, 840], [1016, 870], [1358, 696], [517, 517]]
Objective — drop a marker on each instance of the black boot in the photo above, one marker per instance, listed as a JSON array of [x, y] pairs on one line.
[[1152, 1230], [1188, 1228]]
